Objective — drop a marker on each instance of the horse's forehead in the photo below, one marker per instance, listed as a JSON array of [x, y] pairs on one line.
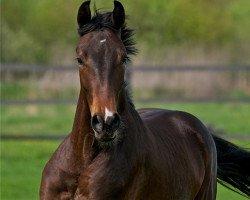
[[100, 40]]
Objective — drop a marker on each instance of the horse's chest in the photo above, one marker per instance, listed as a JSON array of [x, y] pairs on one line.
[[101, 186], [97, 189]]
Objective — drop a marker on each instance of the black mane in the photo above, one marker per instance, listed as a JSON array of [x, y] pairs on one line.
[[103, 20]]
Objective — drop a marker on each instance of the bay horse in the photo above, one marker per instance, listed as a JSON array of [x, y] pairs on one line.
[[117, 152]]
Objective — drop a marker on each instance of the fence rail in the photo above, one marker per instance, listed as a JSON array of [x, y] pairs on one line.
[[150, 100], [143, 68], [33, 69], [38, 71]]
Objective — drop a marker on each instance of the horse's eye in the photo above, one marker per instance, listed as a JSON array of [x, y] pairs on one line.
[[79, 60]]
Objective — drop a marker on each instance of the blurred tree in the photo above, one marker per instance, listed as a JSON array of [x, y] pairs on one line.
[[39, 31], [182, 21], [18, 46]]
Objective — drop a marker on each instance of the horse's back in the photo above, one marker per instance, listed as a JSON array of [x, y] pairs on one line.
[[185, 146]]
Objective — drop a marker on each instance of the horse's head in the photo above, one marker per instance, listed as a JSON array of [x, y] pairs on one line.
[[101, 54]]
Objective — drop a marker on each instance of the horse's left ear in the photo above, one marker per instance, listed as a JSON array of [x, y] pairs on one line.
[[84, 14], [118, 15]]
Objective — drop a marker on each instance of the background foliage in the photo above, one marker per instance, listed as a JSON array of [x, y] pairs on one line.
[[45, 31]]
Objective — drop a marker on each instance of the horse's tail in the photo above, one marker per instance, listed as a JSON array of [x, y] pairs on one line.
[[233, 166]]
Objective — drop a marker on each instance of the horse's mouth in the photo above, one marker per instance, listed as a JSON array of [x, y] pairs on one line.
[[107, 139]]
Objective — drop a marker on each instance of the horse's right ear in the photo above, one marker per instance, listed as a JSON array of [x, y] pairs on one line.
[[84, 14]]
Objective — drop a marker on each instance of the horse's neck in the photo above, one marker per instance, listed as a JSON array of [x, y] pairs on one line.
[[82, 115], [82, 137], [135, 130]]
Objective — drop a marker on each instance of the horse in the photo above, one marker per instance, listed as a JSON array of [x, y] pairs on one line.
[[115, 152]]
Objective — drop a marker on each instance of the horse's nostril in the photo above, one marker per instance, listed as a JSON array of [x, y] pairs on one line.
[[113, 121], [97, 123]]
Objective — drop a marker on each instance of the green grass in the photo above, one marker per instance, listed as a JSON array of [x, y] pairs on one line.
[[45, 119], [21, 167], [22, 164], [14, 90], [225, 194], [58, 119], [29, 89]]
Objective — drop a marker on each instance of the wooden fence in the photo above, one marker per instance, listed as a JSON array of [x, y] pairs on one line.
[[16, 73], [10, 70]]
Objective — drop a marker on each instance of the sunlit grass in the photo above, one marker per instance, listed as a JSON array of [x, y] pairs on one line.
[[22, 164], [21, 168], [32, 119], [58, 119]]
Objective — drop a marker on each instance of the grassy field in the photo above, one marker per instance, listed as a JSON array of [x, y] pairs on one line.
[[22, 161], [22, 164], [51, 119]]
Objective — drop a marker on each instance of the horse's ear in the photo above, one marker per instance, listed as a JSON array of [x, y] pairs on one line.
[[118, 15], [84, 14]]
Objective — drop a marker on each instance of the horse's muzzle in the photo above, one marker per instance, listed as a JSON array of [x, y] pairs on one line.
[[105, 128]]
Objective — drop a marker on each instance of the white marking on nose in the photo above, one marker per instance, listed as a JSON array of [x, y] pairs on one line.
[[104, 40], [108, 113]]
